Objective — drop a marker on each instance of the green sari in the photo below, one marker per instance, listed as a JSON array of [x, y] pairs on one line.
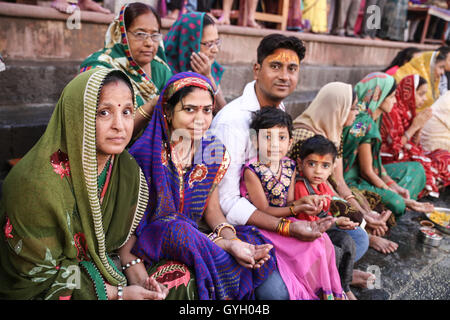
[[116, 54], [58, 237], [371, 92]]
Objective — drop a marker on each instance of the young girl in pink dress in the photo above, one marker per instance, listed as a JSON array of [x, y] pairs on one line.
[[308, 268]]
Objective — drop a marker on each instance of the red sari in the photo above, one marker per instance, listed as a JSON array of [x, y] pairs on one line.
[[393, 127]]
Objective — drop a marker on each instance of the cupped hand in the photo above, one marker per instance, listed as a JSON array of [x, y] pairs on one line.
[[422, 118], [375, 219], [310, 230], [200, 63], [136, 292], [404, 193], [345, 223], [243, 252], [261, 254]]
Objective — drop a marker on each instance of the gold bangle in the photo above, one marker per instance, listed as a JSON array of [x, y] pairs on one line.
[[144, 113], [350, 196], [218, 229], [283, 227], [292, 210], [217, 239]]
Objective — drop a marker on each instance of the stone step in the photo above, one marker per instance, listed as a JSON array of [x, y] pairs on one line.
[[26, 103], [45, 80]]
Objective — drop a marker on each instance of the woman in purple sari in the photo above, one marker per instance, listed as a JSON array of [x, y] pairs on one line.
[[183, 163]]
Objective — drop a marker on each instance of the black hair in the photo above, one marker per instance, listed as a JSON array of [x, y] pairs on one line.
[[178, 96], [118, 76], [422, 81], [403, 57], [269, 117], [135, 9], [317, 144], [443, 52], [275, 41], [207, 21]]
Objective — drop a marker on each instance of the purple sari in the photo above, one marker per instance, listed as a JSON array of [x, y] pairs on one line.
[[169, 228]]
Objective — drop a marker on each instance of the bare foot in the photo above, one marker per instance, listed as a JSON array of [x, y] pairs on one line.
[[419, 206], [253, 24], [90, 5], [377, 231], [350, 295], [223, 20], [362, 279], [63, 6], [382, 245]]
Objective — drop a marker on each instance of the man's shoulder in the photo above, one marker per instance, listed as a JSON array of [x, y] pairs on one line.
[[233, 113]]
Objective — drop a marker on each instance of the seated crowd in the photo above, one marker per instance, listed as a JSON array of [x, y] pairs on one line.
[[150, 185]]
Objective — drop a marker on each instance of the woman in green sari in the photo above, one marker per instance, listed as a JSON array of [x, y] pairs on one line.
[[133, 44], [398, 184], [73, 201]]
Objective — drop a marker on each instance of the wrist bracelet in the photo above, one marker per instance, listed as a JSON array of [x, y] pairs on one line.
[[292, 210], [218, 229], [283, 227], [119, 292], [144, 113], [390, 183], [131, 263], [350, 196]]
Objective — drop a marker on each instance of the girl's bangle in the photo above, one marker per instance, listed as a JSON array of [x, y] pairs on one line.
[[291, 208]]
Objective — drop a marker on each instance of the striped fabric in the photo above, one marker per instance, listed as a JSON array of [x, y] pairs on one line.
[[169, 229]]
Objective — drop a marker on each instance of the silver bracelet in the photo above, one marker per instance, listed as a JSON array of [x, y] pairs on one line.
[[119, 292], [131, 263]]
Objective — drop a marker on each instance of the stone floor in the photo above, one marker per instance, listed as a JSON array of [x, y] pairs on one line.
[[415, 271]]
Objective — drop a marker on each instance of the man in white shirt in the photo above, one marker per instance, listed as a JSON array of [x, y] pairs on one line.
[[276, 76]]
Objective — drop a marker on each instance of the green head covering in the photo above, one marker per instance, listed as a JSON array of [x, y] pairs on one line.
[[52, 217], [116, 54], [373, 89], [183, 39]]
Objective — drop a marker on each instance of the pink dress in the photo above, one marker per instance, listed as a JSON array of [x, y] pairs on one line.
[[308, 268]]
